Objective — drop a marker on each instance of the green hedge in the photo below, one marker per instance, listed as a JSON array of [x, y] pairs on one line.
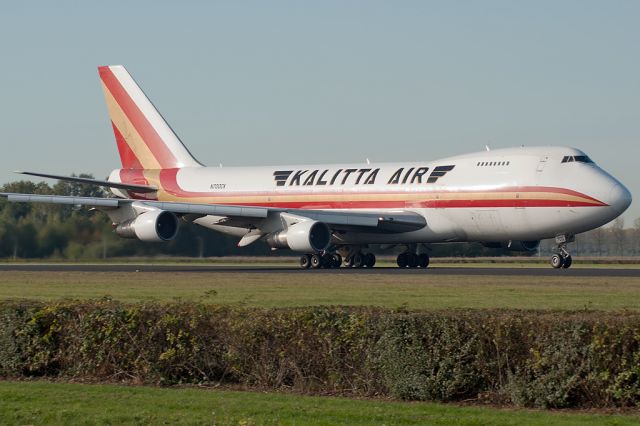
[[527, 358]]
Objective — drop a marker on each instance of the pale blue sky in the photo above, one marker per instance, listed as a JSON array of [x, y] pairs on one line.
[[247, 83]]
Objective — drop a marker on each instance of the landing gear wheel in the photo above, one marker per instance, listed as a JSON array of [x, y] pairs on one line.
[[369, 260], [316, 261], [402, 260], [562, 258], [336, 261], [348, 262], [423, 260], [327, 261], [358, 260], [305, 261], [557, 261], [412, 260]]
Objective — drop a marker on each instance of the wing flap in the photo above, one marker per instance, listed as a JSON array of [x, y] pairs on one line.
[[209, 209], [391, 222]]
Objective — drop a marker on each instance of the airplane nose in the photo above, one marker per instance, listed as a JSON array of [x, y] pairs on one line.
[[619, 197]]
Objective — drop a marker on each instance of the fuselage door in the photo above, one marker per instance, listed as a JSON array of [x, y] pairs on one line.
[[542, 163]]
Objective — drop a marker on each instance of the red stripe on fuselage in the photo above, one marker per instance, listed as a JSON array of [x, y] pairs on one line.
[[433, 204], [146, 131]]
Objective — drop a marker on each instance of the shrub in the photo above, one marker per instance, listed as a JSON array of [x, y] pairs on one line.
[[529, 358]]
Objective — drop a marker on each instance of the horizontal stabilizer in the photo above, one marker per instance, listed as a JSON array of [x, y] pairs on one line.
[[106, 183]]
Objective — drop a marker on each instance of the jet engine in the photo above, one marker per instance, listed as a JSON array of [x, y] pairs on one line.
[[308, 236], [151, 226], [526, 246]]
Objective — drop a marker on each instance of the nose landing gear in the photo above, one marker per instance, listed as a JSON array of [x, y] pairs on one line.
[[563, 258]]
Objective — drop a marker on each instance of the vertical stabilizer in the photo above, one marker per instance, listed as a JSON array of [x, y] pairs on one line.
[[145, 140]]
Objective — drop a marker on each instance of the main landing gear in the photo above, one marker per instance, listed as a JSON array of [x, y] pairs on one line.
[[352, 259], [317, 260], [360, 260], [355, 258], [562, 259], [409, 259]]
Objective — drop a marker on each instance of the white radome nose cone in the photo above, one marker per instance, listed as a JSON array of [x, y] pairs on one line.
[[619, 198]]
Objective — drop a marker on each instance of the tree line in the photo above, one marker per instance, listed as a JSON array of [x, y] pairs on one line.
[[34, 230]]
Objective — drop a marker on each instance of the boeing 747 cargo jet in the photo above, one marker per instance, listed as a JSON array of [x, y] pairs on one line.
[[508, 198]]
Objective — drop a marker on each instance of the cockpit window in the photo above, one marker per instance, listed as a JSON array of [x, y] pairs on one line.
[[583, 159], [576, 158]]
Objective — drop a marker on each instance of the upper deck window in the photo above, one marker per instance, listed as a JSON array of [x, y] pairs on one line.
[[493, 163]]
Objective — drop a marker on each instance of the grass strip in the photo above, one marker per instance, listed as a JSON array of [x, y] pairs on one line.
[[43, 402], [288, 290]]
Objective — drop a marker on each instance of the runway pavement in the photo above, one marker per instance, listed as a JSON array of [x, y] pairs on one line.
[[280, 269]]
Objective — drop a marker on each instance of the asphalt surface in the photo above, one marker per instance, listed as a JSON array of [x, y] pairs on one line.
[[279, 269]]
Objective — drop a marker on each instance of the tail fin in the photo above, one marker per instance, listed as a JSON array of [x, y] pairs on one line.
[[145, 140]]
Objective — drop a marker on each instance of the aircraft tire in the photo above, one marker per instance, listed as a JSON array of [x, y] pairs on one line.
[[336, 260], [412, 260], [369, 260], [567, 262], [305, 261], [557, 261], [327, 261], [358, 260], [316, 261], [423, 260], [401, 260]]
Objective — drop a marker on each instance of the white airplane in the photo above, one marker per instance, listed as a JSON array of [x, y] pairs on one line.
[[508, 198]]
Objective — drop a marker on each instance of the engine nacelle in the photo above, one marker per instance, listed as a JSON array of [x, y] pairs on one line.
[[526, 246], [308, 236], [151, 226]]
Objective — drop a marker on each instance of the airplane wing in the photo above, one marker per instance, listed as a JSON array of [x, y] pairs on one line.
[[105, 183], [244, 216]]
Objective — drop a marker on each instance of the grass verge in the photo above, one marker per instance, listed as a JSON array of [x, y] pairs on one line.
[[287, 290], [43, 402]]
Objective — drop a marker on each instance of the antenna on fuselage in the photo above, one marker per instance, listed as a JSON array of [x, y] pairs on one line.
[[487, 148], [368, 162]]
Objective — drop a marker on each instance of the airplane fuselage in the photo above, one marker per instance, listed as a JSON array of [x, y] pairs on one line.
[[498, 195]]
